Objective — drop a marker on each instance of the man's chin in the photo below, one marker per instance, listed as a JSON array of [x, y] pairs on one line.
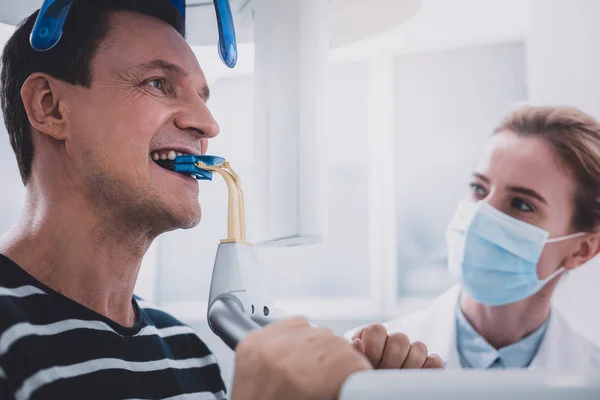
[[181, 218], [190, 223], [189, 219]]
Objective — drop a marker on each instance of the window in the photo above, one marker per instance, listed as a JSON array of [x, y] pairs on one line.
[[446, 105]]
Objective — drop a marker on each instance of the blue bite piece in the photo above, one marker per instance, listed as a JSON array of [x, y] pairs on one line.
[[187, 165]]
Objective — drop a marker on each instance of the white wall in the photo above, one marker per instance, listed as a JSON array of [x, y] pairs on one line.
[[563, 67]]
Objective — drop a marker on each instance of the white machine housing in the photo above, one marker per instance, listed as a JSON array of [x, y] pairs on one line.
[[471, 385], [239, 301]]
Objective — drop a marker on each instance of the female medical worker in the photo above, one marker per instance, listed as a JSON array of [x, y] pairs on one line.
[[533, 213]]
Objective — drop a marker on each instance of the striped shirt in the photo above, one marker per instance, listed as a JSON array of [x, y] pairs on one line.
[[52, 347]]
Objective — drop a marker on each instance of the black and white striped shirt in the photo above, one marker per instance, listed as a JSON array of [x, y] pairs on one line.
[[54, 348]]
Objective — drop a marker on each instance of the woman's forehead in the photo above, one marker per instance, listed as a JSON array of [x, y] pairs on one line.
[[517, 160]]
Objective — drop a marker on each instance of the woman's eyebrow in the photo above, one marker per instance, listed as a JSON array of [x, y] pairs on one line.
[[527, 192], [481, 176]]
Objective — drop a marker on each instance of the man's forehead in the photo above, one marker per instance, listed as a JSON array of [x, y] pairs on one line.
[[135, 39]]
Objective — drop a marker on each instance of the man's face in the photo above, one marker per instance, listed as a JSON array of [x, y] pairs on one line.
[[148, 95]]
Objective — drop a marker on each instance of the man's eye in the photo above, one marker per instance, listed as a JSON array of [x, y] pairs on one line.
[[521, 205], [157, 83]]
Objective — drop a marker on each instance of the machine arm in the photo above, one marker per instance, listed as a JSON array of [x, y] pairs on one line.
[[239, 301]]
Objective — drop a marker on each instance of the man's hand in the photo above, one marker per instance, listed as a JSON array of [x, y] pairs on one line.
[[292, 360], [393, 351]]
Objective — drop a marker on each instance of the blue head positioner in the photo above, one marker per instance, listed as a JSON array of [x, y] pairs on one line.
[[227, 42], [48, 27]]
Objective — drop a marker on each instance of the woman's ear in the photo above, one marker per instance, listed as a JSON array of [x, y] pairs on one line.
[[588, 248], [45, 105]]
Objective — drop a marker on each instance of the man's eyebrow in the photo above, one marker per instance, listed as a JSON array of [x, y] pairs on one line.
[[162, 65]]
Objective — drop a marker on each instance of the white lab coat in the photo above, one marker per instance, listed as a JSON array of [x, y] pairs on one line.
[[562, 349]]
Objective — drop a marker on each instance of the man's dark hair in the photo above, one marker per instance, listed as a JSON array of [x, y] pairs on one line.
[[70, 60]]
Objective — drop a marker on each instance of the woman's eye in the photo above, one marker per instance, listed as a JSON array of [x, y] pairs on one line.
[[478, 190], [522, 205]]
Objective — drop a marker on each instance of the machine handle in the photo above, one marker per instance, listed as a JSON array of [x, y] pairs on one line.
[[226, 318]]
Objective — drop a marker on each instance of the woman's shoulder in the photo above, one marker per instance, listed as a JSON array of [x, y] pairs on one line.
[[567, 347]]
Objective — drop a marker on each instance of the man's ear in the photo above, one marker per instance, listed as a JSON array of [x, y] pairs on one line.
[[588, 248], [43, 98]]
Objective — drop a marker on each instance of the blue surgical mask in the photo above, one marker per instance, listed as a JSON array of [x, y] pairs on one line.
[[494, 256]]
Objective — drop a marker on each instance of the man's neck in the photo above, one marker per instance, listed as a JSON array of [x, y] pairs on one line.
[[502, 326], [83, 256]]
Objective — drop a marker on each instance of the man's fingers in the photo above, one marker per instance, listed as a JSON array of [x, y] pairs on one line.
[[433, 362], [416, 356], [374, 338], [396, 351]]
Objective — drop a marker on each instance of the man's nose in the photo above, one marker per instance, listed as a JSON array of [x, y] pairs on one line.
[[195, 116]]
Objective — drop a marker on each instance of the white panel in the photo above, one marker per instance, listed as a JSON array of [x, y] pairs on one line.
[[341, 265], [291, 48]]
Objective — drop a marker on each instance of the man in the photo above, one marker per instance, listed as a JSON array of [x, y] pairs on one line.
[[85, 120]]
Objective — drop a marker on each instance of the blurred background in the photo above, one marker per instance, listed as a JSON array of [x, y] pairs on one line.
[[405, 114]]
